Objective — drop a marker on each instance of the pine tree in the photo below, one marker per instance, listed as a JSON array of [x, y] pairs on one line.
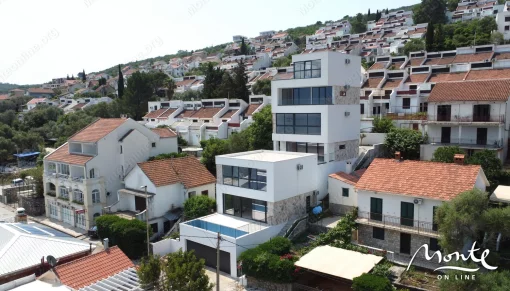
[[120, 84], [439, 38], [72, 77], [83, 76], [429, 38], [244, 47], [377, 16], [387, 11], [67, 77], [240, 79], [368, 12]]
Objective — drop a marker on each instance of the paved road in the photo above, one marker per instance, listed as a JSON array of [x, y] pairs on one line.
[[5, 213]]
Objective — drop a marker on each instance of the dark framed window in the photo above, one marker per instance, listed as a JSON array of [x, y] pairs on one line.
[[378, 233], [507, 19], [362, 108], [303, 147], [298, 123], [322, 95], [249, 178], [205, 193], [153, 144], [345, 192], [434, 224], [406, 103], [307, 96], [376, 208], [245, 207], [434, 245], [307, 69]]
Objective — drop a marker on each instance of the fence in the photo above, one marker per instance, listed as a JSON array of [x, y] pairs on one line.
[[166, 246], [398, 223]]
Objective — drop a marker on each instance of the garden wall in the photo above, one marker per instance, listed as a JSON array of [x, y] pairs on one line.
[[166, 246]]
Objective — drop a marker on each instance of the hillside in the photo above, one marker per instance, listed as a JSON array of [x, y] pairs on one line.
[[297, 34], [6, 87]]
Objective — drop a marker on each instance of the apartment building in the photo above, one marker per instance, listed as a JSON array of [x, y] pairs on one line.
[[473, 9], [316, 110], [395, 214], [83, 175], [257, 194]]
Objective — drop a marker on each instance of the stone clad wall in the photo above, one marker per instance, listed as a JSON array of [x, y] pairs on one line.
[[351, 98], [283, 210], [350, 151], [269, 286], [340, 209]]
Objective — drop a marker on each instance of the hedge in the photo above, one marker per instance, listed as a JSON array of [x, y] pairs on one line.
[[129, 235], [198, 206], [369, 282]]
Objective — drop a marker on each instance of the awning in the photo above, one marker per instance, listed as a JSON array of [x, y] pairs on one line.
[[24, 155], [135, 192], [338, 262], [501, 194], [173, 215]]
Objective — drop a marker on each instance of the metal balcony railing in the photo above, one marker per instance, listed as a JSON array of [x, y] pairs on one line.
[[483, 143], [467, 118], [396, 223]]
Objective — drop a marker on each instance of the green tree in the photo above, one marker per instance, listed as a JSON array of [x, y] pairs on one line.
[[227, 87], [139, 92], [212, 81], [460, 219], [382, 125], [158, 80], [497, 38], [369, 282], [130, 235], [240, 78], [261, 130], [368, 12], [406, 141], [37, 176], [102, 81], [120, 84], [446, 154], [262, 87], [170, 88], [452, 4], [439, 37], [282, 62], [27, 141], [168, 156], [414, 45], [430, 11], [429, 38], [183, 271], [244, 47], [213, 148], [490, 163], [83, 76], [149, 273], [7, 149], [198, 206]]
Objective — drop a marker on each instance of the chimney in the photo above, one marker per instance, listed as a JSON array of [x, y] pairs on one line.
[[458, 159], [105, 244], [348, 167], [398, 156]]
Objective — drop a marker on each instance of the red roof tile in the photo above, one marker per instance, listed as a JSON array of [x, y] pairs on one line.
[[229, 113], [36, 100], [97, 129], [251, 108], [488, 74], [62, 155], [471, 58], [378, 66], [188, 171], [351, 179], [417, 78], [502, 56], [446, 77], [88, 270], [391, 83], [164, 132], [372, 83], [155, 113], [40, 91], [441, 181], [415, 62], [200, 113], [284, 76], [439, 61], [4, 97], [167, 113], [490, 90]]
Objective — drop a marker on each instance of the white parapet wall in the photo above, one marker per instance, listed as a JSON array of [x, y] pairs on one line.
[[372, 138], [166, 246]]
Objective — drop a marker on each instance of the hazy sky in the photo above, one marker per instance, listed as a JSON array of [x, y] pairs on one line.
[[41, 40]]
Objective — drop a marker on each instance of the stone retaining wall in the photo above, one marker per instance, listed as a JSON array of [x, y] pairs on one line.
[[268, 286]]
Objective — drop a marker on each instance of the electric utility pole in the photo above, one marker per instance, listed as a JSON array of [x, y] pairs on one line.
[[218, 263]]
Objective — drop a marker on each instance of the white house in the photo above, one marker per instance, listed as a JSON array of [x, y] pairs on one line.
[[257, 193], [169, 183], [316, 110], [342, 195], [396, 211], [82, 174]]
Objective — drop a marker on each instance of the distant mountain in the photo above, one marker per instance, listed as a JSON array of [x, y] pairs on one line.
[[297, 34]]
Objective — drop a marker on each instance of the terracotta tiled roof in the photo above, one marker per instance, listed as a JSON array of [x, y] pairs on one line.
[[391, 83], [206, 112], [229, 113], [488, 74], [155, 113], [97, 129], [88, 270], [4, 97], [167, 113], [417, 78], [251, 108], [489, 90], [164, 132], [439, 61], [351, 179], [447, 77], [185, 83], [188, 171], [502, 56], [397, 65], [62, 155], [78, 106], [378, 66], [442, 181], [372, 83], [186, 113], [36, 100], [470, 58], [40, 91], [284, 76], [415, 62]]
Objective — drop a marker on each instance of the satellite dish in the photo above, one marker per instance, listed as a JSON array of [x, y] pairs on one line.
[[51, 261]]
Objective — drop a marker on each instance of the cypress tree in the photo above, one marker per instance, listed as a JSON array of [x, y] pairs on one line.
[[120, 84], [368, 12], [83, 76], [429, 38]]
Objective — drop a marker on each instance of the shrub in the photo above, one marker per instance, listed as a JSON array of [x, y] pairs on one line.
[[369, 282], [198, 206], [129, 235], [277, 246], [382, 125], [382, 269]]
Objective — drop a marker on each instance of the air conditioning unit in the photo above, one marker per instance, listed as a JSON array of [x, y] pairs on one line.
[[418, 201], [316, 193], [299, 167], [347, 113], [347, 61]]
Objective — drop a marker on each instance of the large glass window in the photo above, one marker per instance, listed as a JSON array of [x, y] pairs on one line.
[[307, 69], [245, 207], [311, 148], [307, 96], [322, 95], [298, 123], [64, 192], [249, 178]]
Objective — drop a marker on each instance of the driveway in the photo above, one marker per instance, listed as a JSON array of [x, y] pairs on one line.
[[227, 283]]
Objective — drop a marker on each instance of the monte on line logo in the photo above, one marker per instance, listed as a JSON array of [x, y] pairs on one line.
[[456, 256]]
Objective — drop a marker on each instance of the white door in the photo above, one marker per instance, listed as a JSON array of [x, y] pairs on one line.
[[53, 211], [195, 139], [67, 215], [80, 221]]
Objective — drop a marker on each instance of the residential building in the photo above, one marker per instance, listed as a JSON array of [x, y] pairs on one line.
[[40, 93], [503, 21], [33, 103], [82, 174], [257, 193], [25, 247], [239, 38], [316, 110], [17, 93], [396, 212], [343, 197], [169, 183]]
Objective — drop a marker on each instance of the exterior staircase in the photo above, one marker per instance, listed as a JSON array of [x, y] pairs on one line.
[[287, 226]]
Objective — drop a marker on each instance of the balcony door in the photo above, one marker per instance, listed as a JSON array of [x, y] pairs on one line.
[[406, 213], [376, 208], [444, 112], [140, 203], [481, 113], [446, 133], [405, 243], [481, 136]]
